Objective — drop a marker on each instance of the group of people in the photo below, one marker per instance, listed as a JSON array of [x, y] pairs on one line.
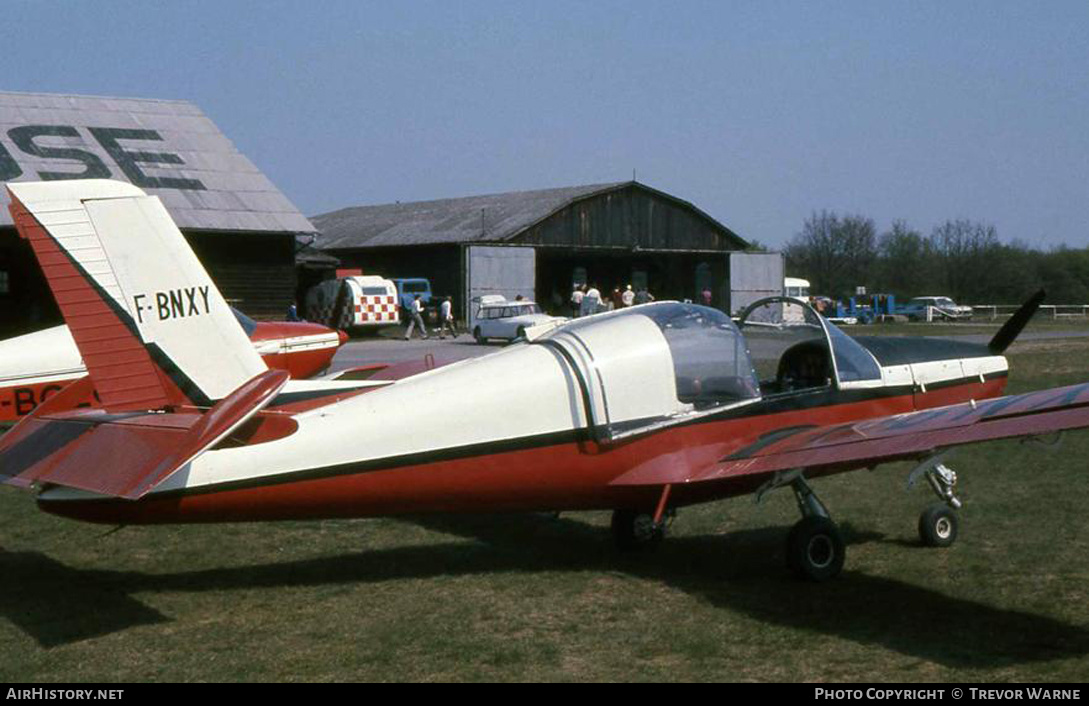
[[414, 318], [586, 299]]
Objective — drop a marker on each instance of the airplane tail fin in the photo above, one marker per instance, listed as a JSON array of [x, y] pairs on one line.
[[151, 326], [1015, 324]]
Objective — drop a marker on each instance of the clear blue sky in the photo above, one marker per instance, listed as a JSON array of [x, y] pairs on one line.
[[758, 112]]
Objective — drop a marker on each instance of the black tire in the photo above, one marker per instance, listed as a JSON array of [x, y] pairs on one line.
[[938, 526], [633, 530], [815, 549], [521, 333], [476, 334]]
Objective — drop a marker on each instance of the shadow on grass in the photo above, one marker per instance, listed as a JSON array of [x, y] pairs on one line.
[[742, 572], [57, 605]]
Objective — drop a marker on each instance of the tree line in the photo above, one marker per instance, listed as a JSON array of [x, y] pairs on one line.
[[962, 259]]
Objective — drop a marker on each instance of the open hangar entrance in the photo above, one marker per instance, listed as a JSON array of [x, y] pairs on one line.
[[666, 275]]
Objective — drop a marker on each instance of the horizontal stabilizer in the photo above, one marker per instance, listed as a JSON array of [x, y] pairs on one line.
[[122, 455]]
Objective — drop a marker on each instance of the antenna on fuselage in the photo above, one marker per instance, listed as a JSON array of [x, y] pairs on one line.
[[1015, 324]]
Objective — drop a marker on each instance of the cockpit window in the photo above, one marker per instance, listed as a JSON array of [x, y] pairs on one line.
[[793, 349], [788, 345], [853, 362], [711, 365]]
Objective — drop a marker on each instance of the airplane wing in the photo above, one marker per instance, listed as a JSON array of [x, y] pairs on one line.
[[898, 437]]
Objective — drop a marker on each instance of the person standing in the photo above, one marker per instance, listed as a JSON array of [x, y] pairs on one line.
[[576, 300], [446, 319], [628, 297], [416, 319], [706, 296], [591, 301]]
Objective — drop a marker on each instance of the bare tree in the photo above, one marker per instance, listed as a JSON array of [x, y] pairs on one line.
[[905, 265], [965, 249], [835, 254]]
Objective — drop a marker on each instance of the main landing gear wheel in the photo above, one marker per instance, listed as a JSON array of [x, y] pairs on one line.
[[938, 526], [632, 529], [815, 549]]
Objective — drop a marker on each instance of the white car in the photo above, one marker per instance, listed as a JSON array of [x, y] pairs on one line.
[[943, 308], [507, 320]]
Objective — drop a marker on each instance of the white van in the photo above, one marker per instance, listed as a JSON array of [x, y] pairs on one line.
[[359, 301], [796, 288]]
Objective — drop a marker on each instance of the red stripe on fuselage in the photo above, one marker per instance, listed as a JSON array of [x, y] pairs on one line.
[[568, 476]]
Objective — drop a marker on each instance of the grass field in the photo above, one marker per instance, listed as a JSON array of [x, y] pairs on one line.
[[539, 598], [1039, 325]]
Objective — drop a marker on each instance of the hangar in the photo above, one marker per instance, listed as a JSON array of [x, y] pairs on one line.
[[541, 243], [239, 224]]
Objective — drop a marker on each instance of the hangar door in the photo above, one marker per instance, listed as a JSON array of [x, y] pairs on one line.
[[753, 276], [508, 271]]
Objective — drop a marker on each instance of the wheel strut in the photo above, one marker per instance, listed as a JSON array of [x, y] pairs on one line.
[[942, 480], [808, 502]]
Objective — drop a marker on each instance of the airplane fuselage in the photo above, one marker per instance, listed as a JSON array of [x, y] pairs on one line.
[[513, 431]]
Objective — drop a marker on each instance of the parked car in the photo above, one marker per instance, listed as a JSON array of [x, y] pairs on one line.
[[944, 308], [498, 318]]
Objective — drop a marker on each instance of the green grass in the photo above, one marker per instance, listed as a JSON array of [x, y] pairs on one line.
[[982, 325], [538, 598]]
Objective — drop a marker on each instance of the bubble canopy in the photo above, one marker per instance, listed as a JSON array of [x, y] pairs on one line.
[[646, 366], [702, 347], [794, 349]]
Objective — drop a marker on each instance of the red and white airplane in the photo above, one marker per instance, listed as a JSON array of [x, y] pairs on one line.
[[639, 411], [36, 365]]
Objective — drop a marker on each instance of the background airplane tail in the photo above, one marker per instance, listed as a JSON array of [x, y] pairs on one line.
[[152, 327]]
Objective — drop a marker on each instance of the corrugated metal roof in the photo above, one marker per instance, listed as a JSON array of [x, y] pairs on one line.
[[490, 218], [168, 148]]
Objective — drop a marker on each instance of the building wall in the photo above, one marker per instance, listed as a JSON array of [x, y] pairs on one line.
[[254, 271], [630, 218]]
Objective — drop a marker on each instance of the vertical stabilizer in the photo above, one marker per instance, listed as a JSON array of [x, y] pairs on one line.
[[149, 322]]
